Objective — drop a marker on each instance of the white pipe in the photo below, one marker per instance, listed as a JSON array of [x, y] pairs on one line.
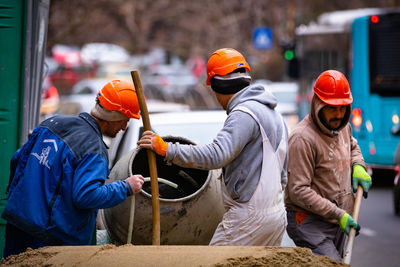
[[162, 180], [131, 217]]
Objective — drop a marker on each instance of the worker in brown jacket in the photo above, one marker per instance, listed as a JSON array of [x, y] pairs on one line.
[[324, 159]]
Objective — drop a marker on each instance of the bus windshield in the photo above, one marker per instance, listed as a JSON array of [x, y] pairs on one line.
[[384, 52]]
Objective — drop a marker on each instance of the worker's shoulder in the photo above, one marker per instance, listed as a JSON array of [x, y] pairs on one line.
[[58, 121], [304, 131], [251, 107], [68, 126], [79, 135], [347, 129]]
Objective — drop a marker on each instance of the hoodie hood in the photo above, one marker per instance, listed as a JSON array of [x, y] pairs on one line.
[[316, 106], [255, 92]]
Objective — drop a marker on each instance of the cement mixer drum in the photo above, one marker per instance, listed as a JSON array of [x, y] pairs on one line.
[[189, 213]]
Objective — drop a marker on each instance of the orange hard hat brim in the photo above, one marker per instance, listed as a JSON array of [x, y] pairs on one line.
[[336, 101], [225, 70], [133, 115]]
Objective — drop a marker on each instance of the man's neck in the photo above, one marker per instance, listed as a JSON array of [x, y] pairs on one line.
[[102, 124]]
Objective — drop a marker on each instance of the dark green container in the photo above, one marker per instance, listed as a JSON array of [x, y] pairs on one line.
[[23, 31]]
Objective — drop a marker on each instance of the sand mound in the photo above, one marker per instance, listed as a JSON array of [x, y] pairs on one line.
[[280, 257], [129, 255]]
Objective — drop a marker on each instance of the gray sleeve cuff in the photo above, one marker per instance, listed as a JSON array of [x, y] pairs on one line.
[[129, 191]]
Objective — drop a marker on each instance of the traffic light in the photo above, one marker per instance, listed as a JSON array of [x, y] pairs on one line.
[[288, 50], [289, 54]]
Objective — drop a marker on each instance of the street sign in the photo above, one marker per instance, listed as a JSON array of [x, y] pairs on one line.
[[262, 38]]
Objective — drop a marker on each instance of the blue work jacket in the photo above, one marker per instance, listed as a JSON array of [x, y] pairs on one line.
[[57, 181]]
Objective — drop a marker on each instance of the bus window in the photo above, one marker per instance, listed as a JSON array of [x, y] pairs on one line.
[[385, 54]]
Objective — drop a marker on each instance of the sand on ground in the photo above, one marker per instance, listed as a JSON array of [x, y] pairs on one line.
[[160, 256]]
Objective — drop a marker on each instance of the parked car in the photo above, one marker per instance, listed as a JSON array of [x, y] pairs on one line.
[[50, 100], [104, 52], [287, 94], [396, 181], [84, 93], [114, 70], [169, 82], [67, 75], [199, 127], [82, 97], [66, 67]]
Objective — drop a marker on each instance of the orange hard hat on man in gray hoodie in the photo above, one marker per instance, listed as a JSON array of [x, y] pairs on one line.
[[323, 157]]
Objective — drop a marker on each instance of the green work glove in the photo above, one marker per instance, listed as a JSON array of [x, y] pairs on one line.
[[346, 222], [361, 176]]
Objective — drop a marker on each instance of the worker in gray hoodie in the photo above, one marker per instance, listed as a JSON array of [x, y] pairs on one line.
[[251, 149]]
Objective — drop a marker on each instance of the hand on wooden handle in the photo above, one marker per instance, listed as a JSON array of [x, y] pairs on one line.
[[346, 222], [154, 142]]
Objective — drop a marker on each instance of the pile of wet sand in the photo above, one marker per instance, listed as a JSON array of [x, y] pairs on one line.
[[129, 255]]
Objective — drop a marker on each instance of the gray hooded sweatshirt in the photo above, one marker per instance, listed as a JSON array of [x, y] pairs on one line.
[[237, 149]]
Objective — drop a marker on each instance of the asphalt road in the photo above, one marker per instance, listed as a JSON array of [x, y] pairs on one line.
[[379, 241]]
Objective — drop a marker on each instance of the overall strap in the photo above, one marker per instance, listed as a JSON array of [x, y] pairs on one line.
[[248, 111]]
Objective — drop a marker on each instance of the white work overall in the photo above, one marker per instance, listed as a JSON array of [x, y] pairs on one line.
[[262, 220]]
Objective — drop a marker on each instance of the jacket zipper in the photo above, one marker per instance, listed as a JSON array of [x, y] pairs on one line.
[[53, 199], [80, 227]]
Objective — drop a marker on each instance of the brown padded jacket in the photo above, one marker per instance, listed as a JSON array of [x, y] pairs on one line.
[[320, 166]]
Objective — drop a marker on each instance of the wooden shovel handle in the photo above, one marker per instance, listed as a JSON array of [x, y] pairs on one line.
[[151, 157], [352, 234]]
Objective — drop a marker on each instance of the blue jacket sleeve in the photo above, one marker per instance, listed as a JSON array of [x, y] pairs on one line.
[[89, 189]]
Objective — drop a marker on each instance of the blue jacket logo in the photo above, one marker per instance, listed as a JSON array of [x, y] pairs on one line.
[[45, 153]]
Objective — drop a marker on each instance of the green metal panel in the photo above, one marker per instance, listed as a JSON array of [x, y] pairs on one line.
[[12, 31]]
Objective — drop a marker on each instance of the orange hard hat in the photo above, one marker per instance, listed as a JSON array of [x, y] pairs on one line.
[[224, 61], [120, 96], [333, 88]]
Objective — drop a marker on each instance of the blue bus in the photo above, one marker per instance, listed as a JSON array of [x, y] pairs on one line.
[[364, 44]]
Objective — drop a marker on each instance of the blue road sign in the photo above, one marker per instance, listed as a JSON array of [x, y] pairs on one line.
[[262, 38]]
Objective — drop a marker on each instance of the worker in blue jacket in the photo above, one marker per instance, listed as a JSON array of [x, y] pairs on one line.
[[57, 179]]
